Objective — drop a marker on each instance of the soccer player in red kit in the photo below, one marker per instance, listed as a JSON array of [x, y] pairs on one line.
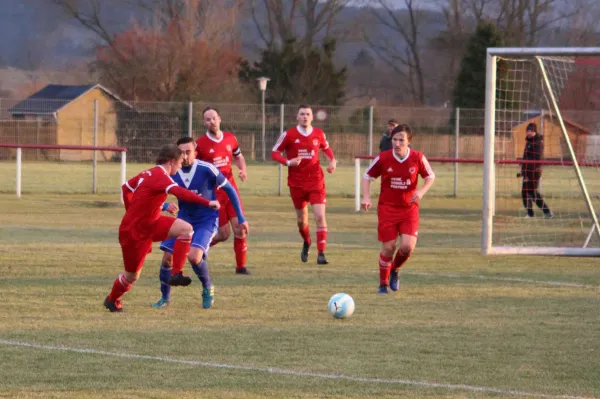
[[398, 208], [142, 224], [305, 176], [222, 149]]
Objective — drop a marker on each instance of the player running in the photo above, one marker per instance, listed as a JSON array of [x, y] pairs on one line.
[[202, 178], [142, 224], [398, 208], [305, 176], [221, 149]]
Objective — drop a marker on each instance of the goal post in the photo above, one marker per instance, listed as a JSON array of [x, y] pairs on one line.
[[557, 90]]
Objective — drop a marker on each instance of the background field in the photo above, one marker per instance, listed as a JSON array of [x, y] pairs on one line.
[[462, 325]]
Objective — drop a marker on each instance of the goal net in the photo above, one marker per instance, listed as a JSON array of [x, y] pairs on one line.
[[541, 190]]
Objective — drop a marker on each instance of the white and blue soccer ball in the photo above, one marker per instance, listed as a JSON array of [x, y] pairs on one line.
[[341, 306]]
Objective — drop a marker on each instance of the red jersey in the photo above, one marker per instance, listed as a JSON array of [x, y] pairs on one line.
[[399, 177], [219, 152], [296, 142], [150, 189]]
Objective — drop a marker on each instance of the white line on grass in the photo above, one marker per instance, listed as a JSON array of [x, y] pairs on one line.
[[272, 370], [473, 276]]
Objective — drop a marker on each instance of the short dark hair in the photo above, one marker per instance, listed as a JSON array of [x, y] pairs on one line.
[[402, 128], [209, 108], [392, 121], [185, 140], [532, 126], [301, 106], [169, 152]]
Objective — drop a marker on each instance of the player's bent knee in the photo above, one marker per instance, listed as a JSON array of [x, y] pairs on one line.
[[388, 248], [195, 255], [132, 277], [239, 233], [406, 250], [224, 233], [167, 259]]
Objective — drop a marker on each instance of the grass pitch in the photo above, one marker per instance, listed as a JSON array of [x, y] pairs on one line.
[[461, 326]]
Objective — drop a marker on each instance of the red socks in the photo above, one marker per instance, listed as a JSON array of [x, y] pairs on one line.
[[385, 266], [240, 247], [400, 259], [120, 287], [304, 233], [181, 250], [321, 238]]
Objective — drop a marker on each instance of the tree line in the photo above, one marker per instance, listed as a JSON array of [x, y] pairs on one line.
[[412, 52]]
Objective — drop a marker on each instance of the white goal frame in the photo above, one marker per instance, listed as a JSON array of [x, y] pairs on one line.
[[489, 175]]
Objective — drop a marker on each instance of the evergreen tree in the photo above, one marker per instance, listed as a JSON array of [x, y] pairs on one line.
[[469, 90], [298, 75]]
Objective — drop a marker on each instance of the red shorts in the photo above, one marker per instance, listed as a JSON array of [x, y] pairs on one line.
[[300, 197], [227, 211], [393, 221], [136, 245]]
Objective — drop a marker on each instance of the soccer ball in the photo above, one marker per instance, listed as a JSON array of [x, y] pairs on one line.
[[341, 306]]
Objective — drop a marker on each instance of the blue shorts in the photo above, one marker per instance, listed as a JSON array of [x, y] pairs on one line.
[[203, 235]]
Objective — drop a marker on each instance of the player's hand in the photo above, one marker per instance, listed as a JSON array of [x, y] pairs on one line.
[[216, 205], [245, 227], [173, 208], [295, 161], [416, 197], [243, 175], [332, 166], [366, 204], [519, 175]]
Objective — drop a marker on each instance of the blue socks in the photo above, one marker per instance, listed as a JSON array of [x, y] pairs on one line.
[[164, 275], [201, 270]]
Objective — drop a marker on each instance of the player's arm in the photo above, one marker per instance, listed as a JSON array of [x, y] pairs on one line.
[[128, 188], [235, 201], [170, 207], [329, 154], [240, 162], [279, 148], [429, 177], [188, 196], [372, 173], [222, 183]]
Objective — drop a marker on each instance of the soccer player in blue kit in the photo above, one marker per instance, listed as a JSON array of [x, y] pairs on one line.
[[204, 179]]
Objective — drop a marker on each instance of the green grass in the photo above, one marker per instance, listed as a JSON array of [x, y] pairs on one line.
[[503, 324]]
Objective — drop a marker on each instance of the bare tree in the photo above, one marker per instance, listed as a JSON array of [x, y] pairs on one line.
[[305, 21], [522, 21], [179, 49], [398, 42]]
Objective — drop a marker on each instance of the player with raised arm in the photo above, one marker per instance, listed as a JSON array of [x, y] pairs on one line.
[[205, 179], [142, 224], [305, 176], [222, 149], [398, 208]]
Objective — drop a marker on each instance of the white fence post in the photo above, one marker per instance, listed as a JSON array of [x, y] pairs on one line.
[[190, 131], [123, 167], [370, 131], [281, 130], [95, 153], [456, 149], [357, 184], [19, 172]]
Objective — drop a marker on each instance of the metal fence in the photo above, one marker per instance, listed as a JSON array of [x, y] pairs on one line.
[[143, 127]]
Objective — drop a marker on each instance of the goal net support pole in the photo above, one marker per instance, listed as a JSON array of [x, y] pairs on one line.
[[537, 56]]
